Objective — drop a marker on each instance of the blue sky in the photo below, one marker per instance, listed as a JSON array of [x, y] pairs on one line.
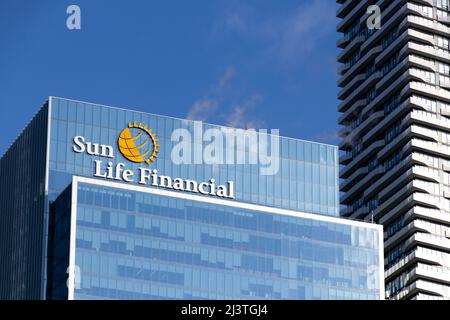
[[265, 64]]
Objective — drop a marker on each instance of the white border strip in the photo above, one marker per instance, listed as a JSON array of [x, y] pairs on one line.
[[381, 258], [73, 239], [228, 203], [46, 203]]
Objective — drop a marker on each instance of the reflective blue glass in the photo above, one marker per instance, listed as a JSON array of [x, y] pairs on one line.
[[306, 180], [136, 245]]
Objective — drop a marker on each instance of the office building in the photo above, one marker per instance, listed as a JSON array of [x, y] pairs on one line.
[[99, 202], [395, 152]]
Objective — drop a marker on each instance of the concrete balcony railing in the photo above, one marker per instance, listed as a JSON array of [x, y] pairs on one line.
[[345, 158], [393, 174], [402, 81], [433, 148], [379, 129], [434, 273], [431, 119], [359, 131], [347, 90], [361, 184], [444, 19], [408, 62], [423, 104], [345, 8], [357, 10], [361, 212], [408, 230], [402, 138], [386, 179], [426, 90], [429, 25], [435, 215], [396, 198], [353, 110], [414, 185], [419, 254], [416, 199], [387, 121], [424, 11], [425, 297], [360, 92], [427, 51], [343, 132], [342, 42], [400, 44], [350, 48], [424, 287], [416, 280], [395, 19], [346, 211], [349, 182], [343, 68], [428, 240], [359, 67], [363, 156]]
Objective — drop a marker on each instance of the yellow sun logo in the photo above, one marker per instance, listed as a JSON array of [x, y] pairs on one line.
[[134, 143]]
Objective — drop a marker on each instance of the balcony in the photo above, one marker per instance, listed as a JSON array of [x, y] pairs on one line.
[[349, 182], [345, 8], [428, 240], [353, 110], [359, 66], [372, 176], [363, 156], [422, 286], [406, 37], [386, 179], [401, 82], [361, 212], [416, 199], [444, 19], [358, 131], [350, 48], [408, 230], [415, 172], [356, 11], [344, 93]]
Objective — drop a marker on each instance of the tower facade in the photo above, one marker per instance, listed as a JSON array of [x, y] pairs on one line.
[[395, 149], [96, 204]]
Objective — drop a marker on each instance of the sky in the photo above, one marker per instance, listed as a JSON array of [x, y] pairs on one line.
[[244, 63]]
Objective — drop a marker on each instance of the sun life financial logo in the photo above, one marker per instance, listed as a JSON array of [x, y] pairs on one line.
[[138, 144]]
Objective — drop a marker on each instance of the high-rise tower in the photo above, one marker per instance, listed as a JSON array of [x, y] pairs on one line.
[[395, 150]]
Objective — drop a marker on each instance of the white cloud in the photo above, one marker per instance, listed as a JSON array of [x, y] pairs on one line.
[[215, 106], [290, 36], [204, 108], [227, 76], [328, 138], [241, 117], [304, 28]]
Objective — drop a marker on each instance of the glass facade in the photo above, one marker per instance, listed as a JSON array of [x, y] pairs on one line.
[[306, 180], [135, 244], [278, 238], [22, 205]]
